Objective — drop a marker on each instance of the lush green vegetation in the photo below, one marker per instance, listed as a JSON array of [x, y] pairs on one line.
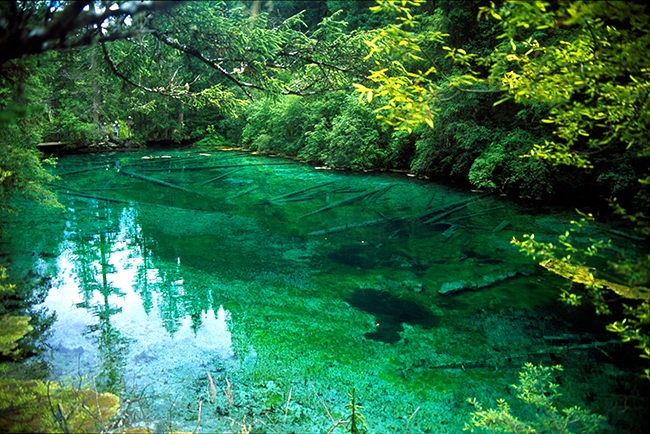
[[584, 65], [277, 78], [444, 94], [537, 389]]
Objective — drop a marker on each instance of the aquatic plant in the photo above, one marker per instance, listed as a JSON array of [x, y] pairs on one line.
[[357, 420]]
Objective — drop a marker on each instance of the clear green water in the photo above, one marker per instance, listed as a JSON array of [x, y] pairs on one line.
[[290, 285]]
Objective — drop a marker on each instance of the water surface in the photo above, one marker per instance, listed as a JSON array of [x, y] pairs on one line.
[[288, 286]]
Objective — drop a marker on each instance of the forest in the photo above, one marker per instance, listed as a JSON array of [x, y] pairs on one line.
[[279, 78], [533, 101]]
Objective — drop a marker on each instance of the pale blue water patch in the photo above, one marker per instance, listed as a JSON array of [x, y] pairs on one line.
[[263, 291], [103, 296]]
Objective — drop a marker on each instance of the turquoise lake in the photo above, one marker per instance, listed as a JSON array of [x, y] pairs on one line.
[[221, 291]]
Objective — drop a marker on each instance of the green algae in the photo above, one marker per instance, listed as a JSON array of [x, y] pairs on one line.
[[234, 284]]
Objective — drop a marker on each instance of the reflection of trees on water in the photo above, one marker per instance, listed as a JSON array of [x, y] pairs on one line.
[[165, 284], [178, 298], [107, 243], [161, 285], [93, 244], [28, 255], [141, 254]]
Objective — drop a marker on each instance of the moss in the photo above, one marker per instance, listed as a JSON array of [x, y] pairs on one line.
[[35, 406]]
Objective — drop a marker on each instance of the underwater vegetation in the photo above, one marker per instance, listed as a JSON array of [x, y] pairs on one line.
[[239, 292]]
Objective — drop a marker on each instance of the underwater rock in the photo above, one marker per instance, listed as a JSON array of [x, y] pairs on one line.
[[462, 285], [390, 313]]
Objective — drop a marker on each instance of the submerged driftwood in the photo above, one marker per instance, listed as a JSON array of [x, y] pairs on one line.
[[160, 182], [244, 192], [223, 175], [221, 166], [504, 224], [465, 364], [77, 193], [444, 211], [87, 169], [472, 285], [475, 214], [352, 226], [358, 197], [294, 196]]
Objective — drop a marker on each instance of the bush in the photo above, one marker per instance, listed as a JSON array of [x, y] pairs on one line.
[[357, 140], [538, 390]]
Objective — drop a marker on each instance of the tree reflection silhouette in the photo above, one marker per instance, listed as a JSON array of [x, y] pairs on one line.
[[93, 245]]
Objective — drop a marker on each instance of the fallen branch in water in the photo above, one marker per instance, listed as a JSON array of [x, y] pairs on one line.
[[222, 166], [550, 350], [77, 193], [160, 182], [353, 226], [223, 175], [334, 423], [285, 197], [476, 214], [244, 192], [444, 210], [409, 421], [88, 169], [286, 408], [348, 200], [501, 226]]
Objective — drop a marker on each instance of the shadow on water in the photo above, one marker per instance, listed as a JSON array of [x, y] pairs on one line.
[[390, 313]]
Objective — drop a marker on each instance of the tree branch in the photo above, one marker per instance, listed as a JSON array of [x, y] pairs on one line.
[[213, 64], [78, 24]]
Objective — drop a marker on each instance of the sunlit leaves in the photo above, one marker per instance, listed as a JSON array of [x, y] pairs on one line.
[[12, 328], [584, 63], [632, 329], [410, 95], [594, 81], [569, 259], [35, 406]]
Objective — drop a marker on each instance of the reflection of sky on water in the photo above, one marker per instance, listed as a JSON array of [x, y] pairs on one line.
[[117, 287]]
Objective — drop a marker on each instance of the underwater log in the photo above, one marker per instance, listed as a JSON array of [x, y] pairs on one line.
[[501, 226], [284, 197], [355, 198], [223, 175], [159, 182]]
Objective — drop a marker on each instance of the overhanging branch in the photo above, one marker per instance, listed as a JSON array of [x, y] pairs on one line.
[[78, 24], [198, 55]]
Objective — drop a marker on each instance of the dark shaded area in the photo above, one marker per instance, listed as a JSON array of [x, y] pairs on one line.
[[391, 312], [368, 257], [353, 256]]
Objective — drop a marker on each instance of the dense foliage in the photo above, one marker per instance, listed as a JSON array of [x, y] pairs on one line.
[[569, 81], [217, 70]]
